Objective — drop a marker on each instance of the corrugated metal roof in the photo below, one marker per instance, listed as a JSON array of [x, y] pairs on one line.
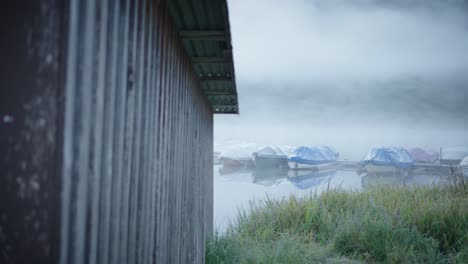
[[203, 26]]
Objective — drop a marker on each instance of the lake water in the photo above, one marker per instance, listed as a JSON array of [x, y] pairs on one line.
[[233, 191]]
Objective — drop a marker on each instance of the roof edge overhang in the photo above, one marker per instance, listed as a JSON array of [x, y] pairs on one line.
[[204, 29]]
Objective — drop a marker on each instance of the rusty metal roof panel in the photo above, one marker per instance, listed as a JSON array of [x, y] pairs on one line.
[[204, 29]]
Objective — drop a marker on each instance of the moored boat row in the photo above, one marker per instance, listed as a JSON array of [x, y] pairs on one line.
[[319, 158], [273, 157]]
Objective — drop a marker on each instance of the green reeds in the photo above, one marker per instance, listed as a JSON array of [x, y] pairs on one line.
[[381, 224]]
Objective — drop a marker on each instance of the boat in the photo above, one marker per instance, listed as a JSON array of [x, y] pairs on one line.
[[312, 158], [270, 157], [235, 164], [453, 155], [464, 166], [216, 160], [420, 155], [387, 160], [238, 157]]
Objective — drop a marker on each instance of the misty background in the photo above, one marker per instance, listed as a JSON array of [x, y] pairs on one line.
[[352, 73]]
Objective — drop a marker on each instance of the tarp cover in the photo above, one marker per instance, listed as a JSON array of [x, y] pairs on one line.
[[331, 150], [464, 162], [389, 156], [313, 155], [464, 166], [424, 156], [454, 153], [288, 149], [242, 151], [270, 151]]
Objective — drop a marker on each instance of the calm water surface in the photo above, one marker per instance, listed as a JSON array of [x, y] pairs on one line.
[[233, 191]]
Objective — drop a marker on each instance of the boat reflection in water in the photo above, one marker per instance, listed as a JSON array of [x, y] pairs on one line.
[[308, 179], [409, 178], [301, 179], [238, 169], [269, 177]]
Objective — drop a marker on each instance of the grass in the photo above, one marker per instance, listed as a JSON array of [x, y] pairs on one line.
[[382, 224]]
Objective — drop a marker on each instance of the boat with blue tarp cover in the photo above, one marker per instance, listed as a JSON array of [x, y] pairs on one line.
[[387, 159], [312, 157]]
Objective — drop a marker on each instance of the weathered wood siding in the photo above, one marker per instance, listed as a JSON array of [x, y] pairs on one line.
[[117, 167], [31, 83]]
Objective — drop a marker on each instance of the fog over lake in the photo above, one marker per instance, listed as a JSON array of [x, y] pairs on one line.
[[352, 74]]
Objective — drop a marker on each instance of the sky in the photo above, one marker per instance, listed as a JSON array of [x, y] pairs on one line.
[[349, 73]]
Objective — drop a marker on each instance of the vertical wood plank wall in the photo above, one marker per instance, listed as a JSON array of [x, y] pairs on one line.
[[137, 168], [130, 160]]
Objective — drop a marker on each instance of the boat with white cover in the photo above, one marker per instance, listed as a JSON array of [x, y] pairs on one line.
[[270, 157]]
